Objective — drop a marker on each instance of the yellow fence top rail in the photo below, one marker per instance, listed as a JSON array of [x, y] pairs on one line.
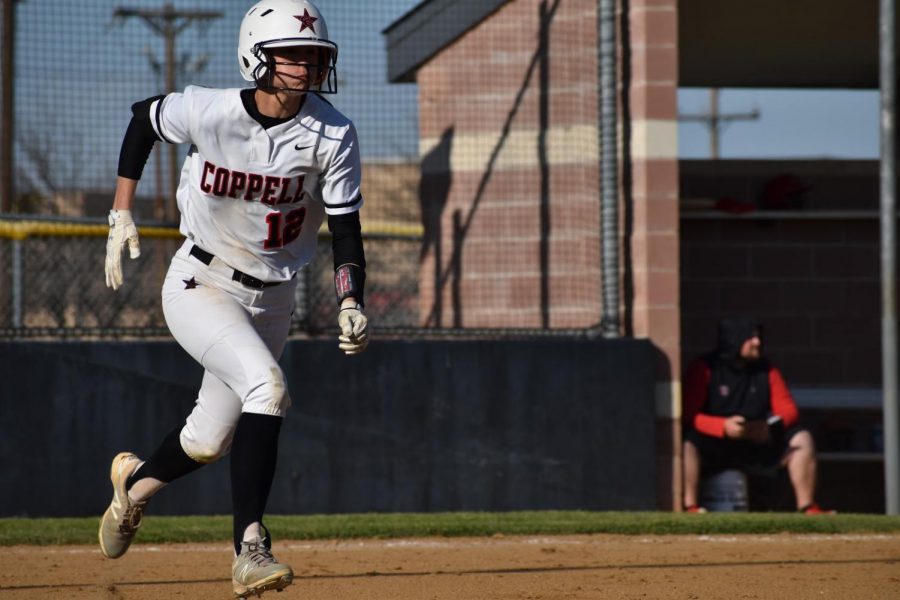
[[20, 230]]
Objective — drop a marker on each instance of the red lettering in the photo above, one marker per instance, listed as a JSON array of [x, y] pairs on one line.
[[273, 220], [238, 181], [293, 224], [269, 193], [208, 167], [275, 190], [299, 195], [285, 183], [220, 183], [255, 185]]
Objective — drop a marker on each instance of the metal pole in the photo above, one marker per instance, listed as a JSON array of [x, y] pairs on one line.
[[887, 76], [17, 283], [714, 123], [170, 87], [7, 79], [609, 167], [302, 299]]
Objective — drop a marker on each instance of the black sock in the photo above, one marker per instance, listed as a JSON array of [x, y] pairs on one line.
[[253, 455], [168, 463]]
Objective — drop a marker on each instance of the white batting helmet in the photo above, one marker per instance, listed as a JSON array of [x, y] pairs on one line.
[[278, 24]]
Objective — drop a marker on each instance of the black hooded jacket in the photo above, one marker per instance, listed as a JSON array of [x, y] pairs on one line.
[[736, 386]]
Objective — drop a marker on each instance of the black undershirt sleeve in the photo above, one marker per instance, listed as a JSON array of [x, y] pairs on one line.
[[139, 140], [347, 245], [346, 240]]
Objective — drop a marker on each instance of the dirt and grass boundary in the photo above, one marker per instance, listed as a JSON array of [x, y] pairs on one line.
[[188, 529]]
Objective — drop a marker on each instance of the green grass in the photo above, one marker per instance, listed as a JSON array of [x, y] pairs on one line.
[[309, 527]]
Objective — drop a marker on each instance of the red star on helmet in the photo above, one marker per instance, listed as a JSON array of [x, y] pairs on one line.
[[306, 21]]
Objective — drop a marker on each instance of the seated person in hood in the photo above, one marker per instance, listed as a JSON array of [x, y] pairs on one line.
[[738, 414]]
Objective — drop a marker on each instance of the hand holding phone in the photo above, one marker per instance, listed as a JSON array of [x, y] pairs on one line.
[[776, 426], [756, 431]]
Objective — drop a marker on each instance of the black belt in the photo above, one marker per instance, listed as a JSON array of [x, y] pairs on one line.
[[249, 280]]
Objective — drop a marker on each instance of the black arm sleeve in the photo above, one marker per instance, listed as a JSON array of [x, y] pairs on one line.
[[346, 240], [347, 248], [139, 140]]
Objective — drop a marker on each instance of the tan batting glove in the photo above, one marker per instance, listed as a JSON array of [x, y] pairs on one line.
[[354, 329], [121, 230]]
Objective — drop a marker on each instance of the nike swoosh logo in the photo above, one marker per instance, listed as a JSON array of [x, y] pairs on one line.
[[299, 147]]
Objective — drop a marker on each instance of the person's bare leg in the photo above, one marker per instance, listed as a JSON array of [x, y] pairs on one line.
[[691, 457], [801, 465]]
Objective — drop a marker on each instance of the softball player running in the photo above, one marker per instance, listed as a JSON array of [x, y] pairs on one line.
[[266, 165]]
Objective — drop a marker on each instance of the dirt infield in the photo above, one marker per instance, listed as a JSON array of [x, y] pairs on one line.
[[529, 568]]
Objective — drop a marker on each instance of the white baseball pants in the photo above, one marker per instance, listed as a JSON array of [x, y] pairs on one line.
[[237, 334]]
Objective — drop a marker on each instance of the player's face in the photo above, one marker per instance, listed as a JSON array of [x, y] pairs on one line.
[[299, 67], [752, 348]]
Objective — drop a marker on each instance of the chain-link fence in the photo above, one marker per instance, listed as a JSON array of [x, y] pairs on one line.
[[56, 286], [480, 157]]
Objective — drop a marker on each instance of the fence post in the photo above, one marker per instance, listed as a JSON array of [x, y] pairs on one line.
[[302, 300], [16, 270], [7, 81]]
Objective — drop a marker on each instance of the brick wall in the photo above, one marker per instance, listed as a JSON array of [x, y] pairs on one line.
[[652, 174], [811, 276], [510, 184], [496, 169]]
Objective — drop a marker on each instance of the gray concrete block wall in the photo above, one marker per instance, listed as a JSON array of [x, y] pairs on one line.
[[407, 426], [813, 283], [812, 278]]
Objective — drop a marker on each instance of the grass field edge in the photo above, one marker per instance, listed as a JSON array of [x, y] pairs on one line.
[[186, 529]]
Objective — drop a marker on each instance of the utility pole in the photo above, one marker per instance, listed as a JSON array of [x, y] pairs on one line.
[[159, 205], [7, 77], [169, 22], [887, 76], [715, 121]]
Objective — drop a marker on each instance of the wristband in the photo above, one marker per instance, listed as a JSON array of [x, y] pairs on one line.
[[349, 281]]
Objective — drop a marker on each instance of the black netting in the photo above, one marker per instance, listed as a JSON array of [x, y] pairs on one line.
[[481, 192]]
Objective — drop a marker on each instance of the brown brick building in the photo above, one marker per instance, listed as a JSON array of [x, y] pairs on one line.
[[510, 191], [508, 126]]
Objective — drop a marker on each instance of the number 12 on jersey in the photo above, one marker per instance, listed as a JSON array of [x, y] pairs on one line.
[[284, 229]]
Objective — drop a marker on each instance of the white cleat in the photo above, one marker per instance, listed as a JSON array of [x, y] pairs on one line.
[[255, 570], [122, 519]]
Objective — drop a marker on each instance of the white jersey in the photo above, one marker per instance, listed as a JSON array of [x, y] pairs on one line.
[[256, 197]]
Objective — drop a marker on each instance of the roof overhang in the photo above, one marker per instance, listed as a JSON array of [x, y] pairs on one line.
[[778, 43], [427, 29], [721, 43]]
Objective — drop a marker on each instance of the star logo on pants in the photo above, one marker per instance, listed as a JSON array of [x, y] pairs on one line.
[[190, 284]]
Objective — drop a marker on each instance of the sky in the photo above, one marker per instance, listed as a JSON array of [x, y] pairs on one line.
[[792, 124], [79, 70]]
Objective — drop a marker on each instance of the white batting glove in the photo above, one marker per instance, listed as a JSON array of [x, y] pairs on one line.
[[121, 230], [354, 330]]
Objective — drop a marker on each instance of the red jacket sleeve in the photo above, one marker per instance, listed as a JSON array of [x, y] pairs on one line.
[[782, 403], [694, 389]]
